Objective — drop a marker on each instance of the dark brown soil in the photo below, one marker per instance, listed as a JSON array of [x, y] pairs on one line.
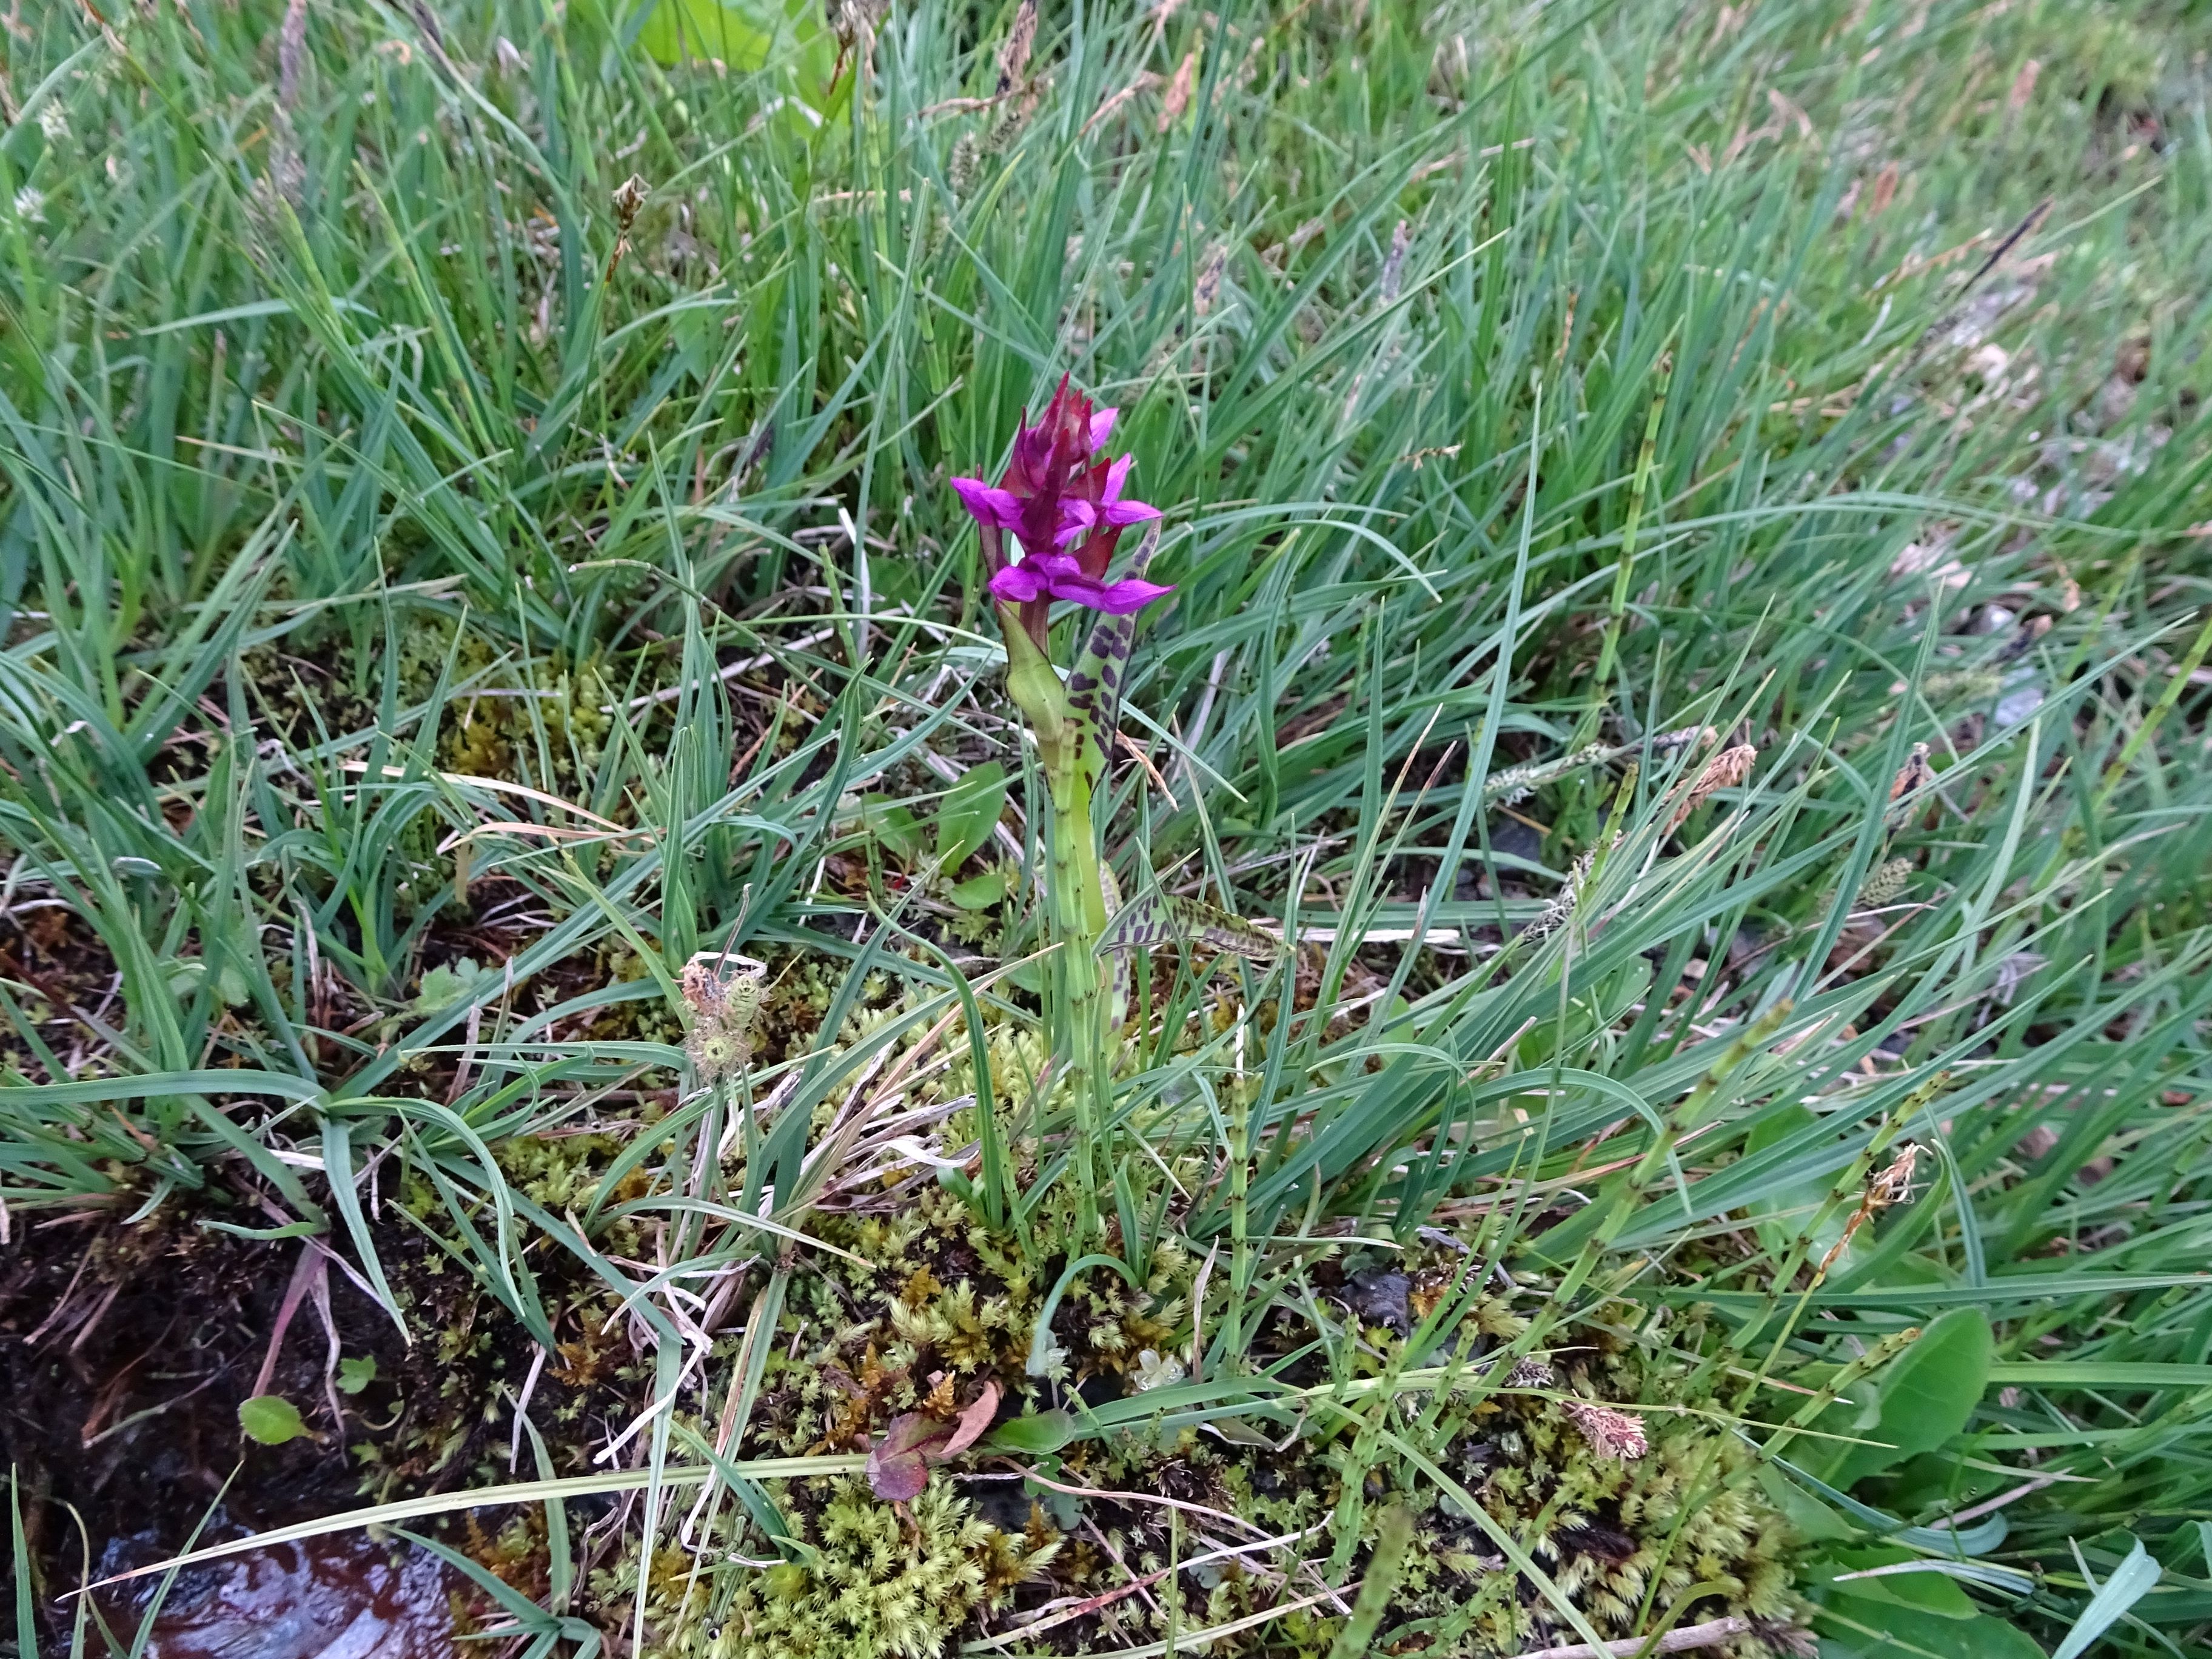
[[124, 1352]]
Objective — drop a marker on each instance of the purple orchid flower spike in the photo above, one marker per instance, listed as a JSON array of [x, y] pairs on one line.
[[1065, 511]]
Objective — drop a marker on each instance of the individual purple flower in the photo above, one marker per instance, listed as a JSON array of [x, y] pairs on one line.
[[1001, 509], [1057, 576], [1064, 510]]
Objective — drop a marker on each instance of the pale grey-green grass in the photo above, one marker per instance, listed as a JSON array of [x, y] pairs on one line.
[[388, 535]]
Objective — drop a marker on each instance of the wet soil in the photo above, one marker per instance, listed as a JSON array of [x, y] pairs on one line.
[[348, 1597], [124, 1352]]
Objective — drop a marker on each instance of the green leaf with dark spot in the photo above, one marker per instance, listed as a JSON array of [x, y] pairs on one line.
[[1163, 919]]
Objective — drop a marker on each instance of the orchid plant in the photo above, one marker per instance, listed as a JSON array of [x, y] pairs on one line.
[[1049, 530]]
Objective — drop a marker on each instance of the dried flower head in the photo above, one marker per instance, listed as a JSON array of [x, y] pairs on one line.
[[1914, 775], [1611, 1433], [1014, 56], [1049, 526], [1208, 285], [1885, 1187], [629, 195], [1892, 1182], [724, 1006], [1723, 771]]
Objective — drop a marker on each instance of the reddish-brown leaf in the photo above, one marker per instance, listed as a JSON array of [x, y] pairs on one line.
[[973, 1421], [898, 1464]]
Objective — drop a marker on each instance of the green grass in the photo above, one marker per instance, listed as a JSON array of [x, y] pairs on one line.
[[436, 613]]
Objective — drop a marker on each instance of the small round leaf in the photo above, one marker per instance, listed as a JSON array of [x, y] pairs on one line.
[[270, 1420]]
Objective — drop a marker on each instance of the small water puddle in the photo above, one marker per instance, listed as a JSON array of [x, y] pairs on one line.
[[346, 1596]]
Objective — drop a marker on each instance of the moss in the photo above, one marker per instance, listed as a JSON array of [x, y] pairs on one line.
[[926, 1304], [879, 1582]]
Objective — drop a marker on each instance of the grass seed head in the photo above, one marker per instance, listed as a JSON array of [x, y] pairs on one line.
[[1611, 1433], [1723, 771], [1014, 56], [1884, 883], [1893, 1181], [1913, 774]]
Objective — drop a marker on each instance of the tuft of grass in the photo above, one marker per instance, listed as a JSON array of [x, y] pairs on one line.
[[1689, 533]]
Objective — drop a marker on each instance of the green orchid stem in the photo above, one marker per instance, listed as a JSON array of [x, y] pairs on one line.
[[1076, 904]]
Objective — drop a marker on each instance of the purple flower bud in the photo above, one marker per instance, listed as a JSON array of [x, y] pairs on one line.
[[999, 508]]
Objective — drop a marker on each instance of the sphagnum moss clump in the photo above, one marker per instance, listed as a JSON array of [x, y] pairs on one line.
[[1625, 1511], [876, 1581], [1617, 1533]]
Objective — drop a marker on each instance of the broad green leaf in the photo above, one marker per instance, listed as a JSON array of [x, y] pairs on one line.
[[971, 810], [1928, 1590], [271, 1419], [980, 892], [446, 984], [1925, 1396], [747, 35], [1037, 1434], [892, 827], [357, 1373], [1898, 1632]]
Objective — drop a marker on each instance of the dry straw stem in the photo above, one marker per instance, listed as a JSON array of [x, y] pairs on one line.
[[1712, 1633]]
